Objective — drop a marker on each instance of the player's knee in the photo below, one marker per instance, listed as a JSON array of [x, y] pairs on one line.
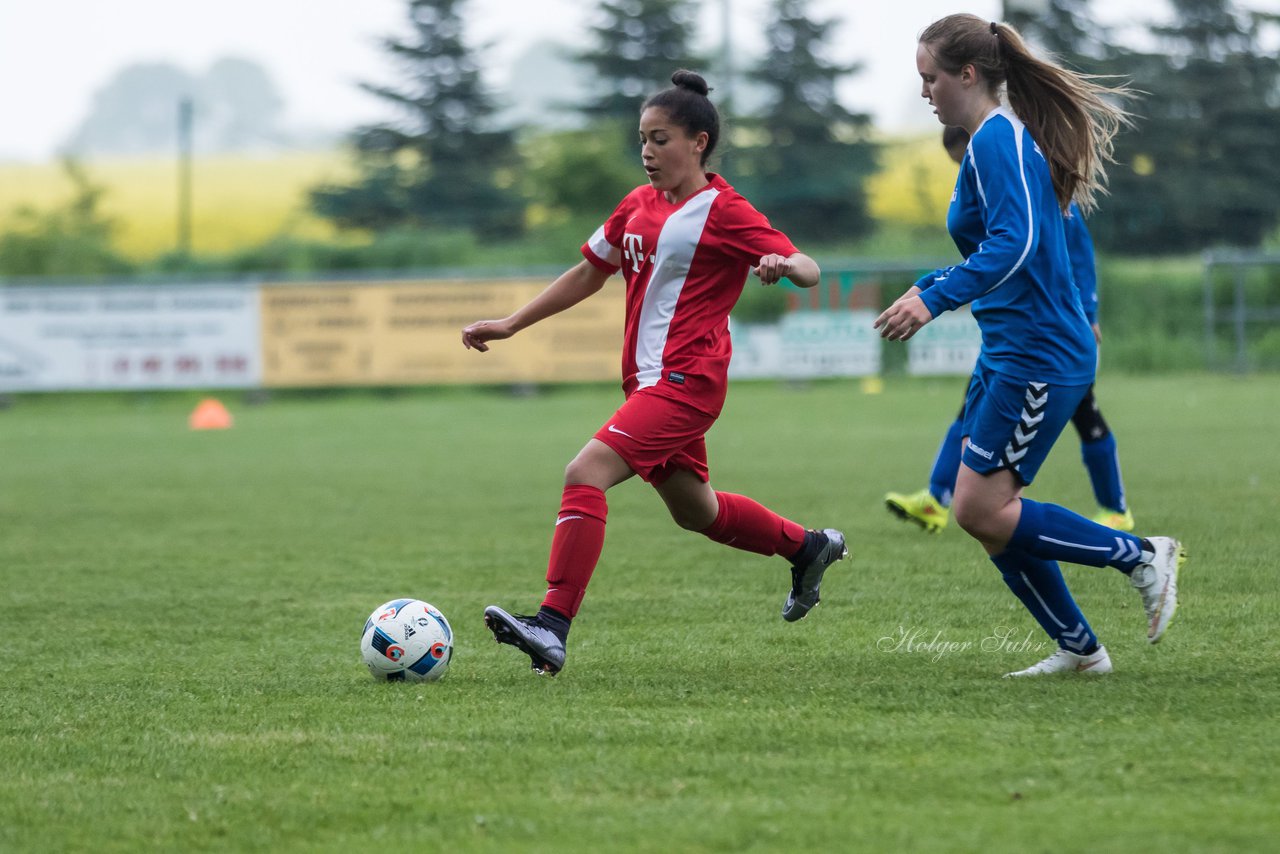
[[1088, 420], [972, 517], [1090, 426], [581, 470], [690, 520], [693, 512]]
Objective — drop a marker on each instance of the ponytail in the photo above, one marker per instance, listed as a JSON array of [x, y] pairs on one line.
[[1071, 116]]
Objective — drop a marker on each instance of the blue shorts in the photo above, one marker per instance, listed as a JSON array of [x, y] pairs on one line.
[[1012, 424]]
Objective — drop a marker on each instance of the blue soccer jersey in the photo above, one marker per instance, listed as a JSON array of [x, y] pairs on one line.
[[1083, 265], [1006, 222]]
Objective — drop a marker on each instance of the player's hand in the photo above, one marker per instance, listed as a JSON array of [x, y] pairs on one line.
[[903, 319], [772, 268], [1097, 333], [475, 335]]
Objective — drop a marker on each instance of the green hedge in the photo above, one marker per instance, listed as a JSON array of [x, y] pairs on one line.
[[1152, 313]]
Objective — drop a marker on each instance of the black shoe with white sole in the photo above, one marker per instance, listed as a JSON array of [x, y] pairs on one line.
[[530, 635], [806, 573]]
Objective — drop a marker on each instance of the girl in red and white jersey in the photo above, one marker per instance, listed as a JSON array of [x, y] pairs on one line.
[[685, 243]]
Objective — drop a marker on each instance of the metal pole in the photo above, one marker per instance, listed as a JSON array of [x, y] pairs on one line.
[[726, 68], [1210, 318], [1242, 351], [185, 111], [726, 51]]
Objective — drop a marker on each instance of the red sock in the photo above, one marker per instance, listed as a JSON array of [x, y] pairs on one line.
[[575, 548], [752, 527]]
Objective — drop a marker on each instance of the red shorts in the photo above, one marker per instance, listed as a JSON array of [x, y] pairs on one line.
[[656, 435]]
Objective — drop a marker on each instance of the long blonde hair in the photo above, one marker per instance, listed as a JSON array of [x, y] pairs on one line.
[[1071, 116]]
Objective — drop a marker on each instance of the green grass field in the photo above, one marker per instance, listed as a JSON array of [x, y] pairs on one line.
[[181, 611]]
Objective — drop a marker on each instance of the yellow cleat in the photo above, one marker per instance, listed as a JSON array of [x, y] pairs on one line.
[[1114, 519], [918, 507]]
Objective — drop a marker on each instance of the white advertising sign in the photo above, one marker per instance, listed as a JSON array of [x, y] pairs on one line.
[[757, 351], [807, 344], [829, 344], [129, 337], [947, 345]]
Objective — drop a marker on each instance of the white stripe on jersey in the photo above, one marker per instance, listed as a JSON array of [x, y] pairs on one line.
[[1018, 127], [1027, 192], [672, 259], [611, 255]]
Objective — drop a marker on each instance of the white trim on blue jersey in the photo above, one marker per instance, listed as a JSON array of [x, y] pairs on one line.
[[1008, 241], [1083, 264], [1018, 136]]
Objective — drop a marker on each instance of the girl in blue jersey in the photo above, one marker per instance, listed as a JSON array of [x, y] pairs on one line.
[[928, 508], [1025, 164]]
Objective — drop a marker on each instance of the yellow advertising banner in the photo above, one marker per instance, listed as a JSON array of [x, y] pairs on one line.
[[409, 333]]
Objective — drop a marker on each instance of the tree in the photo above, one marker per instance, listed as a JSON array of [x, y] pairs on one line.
[[808, 171], [243, 106], [638, 44], [1202, 170], [236, 105], [1067, 29], [444, 165], [577, 174], [74, 239], [136, 112]]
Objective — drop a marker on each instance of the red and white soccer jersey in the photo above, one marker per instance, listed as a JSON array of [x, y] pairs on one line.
[[685, 266]]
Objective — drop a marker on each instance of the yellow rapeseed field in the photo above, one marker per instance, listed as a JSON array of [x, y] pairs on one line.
[[914, 184], [239, 201]]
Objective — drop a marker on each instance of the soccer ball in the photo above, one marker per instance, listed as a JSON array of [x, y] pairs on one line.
[[407, 640]]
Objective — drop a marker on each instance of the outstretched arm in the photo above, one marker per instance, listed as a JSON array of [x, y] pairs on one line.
[[799, 268], [904, 318], [569, 289]]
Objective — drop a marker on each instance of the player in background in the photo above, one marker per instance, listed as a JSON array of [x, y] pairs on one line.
[[928, 508], [685, 243], [1025, 164]]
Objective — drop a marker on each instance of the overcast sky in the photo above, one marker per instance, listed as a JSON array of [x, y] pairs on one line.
[[54, 54]]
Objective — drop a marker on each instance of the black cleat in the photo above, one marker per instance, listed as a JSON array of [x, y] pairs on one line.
[[529, 635], [807, 577]]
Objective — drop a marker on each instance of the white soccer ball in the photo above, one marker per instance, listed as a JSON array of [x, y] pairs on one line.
[[407, 640]]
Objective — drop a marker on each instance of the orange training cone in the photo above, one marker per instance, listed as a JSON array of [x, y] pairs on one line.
[[210, 414]]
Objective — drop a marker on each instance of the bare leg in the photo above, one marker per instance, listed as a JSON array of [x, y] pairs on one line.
[[691, 501], [597, 465], [988, 506]]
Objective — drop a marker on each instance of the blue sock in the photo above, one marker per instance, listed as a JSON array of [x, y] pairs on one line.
[[1103, 463], [1055, 533], [942, 480], [1042, 589]]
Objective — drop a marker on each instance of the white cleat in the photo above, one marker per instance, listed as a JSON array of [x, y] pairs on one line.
[[1157, 583], [1066, 661]]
